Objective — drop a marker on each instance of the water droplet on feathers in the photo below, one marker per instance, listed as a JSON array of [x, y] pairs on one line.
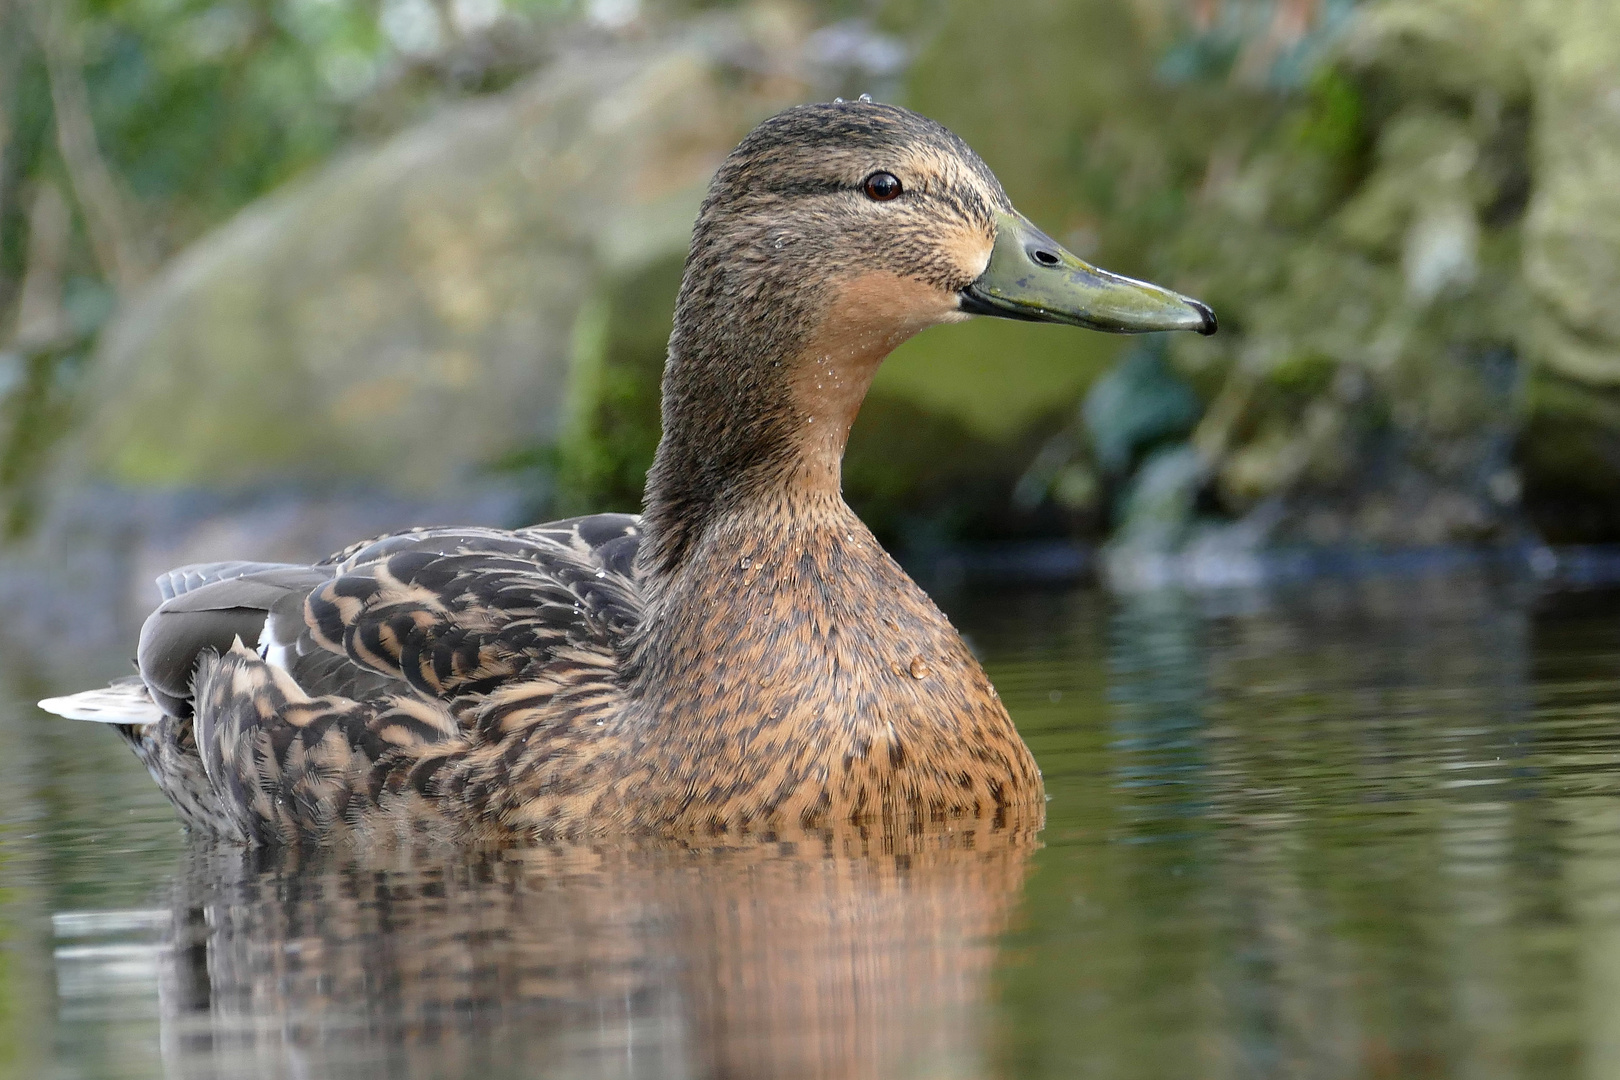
[[919, 668], [746, 563]]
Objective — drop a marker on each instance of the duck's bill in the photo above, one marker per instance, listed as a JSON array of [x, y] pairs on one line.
[[1032, 277]]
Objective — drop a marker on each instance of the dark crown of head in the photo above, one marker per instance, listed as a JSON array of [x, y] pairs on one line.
[[839, 128]]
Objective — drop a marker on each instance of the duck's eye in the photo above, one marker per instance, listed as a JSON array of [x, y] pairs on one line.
[[882, 186]]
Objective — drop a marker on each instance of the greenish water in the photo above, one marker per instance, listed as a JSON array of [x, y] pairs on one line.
[[1347, 830]]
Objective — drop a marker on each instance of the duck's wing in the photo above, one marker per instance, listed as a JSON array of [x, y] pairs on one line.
[[208, 607], [282, 765], [451, 620], [458, 612], [263, 742], [362, 664], [607, 541], [442, 612]]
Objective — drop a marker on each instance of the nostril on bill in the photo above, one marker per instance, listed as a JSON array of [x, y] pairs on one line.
[[1044, 257]]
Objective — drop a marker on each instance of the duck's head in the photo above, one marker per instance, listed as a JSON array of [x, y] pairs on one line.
[[831, 234], [870, 213]]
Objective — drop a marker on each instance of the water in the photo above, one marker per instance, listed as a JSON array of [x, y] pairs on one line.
[[1352, 829]]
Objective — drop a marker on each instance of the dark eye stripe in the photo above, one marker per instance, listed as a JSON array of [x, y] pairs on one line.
[[808, 187]]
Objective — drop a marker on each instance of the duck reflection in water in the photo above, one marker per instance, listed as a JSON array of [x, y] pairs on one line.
[[853, 955]]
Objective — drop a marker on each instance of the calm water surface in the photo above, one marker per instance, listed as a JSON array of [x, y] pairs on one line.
[[1347, 830]]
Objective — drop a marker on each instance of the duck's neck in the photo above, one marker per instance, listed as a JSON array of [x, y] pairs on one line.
[[758, 402], [744, 449]]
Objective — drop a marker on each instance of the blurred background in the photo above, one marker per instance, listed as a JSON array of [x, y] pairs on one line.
[[275, 272]]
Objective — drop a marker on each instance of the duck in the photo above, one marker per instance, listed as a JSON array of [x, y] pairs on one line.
[[743, 657]]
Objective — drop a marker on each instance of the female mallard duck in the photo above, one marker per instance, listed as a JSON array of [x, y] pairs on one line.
[[743, 656]]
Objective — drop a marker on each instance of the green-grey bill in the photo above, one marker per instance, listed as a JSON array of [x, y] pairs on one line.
[[1033, 277]]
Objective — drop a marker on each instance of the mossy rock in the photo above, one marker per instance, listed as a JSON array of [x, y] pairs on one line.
[[406, 316]]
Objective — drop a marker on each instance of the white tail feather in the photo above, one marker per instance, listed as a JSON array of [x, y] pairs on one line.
[[122, 703]]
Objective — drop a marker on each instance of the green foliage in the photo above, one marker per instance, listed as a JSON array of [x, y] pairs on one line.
[[602, 459], [204, 106], [198, 107], [1138, 405], [1332, 120], [201, 106], [921, 478], [1363, 253], [35, 411]]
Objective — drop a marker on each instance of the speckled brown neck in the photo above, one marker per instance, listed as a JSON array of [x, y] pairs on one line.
[[870, 316], [742, 431]]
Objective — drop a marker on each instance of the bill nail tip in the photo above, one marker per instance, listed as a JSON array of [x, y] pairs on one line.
[[1210, 323]]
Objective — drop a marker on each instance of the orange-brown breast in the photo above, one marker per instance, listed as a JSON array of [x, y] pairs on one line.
[[802, 677]]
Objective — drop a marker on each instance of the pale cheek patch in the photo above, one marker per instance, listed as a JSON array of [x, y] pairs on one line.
[[880, 310], [981, 263], [971, 250]]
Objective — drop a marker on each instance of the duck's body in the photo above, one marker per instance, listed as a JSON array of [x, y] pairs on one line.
[[498, 684], [746, 657]]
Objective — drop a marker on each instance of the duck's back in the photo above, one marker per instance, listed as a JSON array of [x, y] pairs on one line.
[[278, 702]]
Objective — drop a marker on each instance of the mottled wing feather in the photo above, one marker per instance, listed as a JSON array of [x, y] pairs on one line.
[[377, 671], [589, 537], [211, 605], [287, 766], [461, 612]]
